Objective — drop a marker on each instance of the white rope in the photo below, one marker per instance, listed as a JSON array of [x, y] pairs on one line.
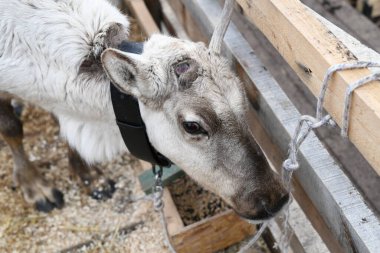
[[254, 239], [291, 163], [349, 90], [158, 205]]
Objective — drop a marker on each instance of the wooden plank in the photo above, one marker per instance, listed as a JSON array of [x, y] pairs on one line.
[[212, 234], [338, 201], [276, 233], [310, 48], [342, 14], [172, 22], [360, 51], [301, 228], [155, 10], [173, 219], [169, 174], [144, 19], [179, 9]]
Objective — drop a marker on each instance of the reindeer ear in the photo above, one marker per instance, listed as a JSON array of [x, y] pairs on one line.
[[122, 68]]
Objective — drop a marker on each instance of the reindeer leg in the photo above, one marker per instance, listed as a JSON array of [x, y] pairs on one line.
[[35, 188], [97, 186]]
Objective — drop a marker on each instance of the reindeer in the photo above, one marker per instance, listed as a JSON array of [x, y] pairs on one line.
[[61, 55]]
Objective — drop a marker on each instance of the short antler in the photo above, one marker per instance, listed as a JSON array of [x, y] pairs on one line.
[[221, 28]]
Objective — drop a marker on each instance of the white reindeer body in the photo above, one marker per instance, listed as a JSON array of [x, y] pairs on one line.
[[42, 45]]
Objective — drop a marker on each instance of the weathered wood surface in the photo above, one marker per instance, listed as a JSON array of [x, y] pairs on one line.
[[360, 51], [171, 21], [342, 14], [310, 48], [301, 228], [144, 19], [341, 206], [206, 236], [212, 234], [173, 219]]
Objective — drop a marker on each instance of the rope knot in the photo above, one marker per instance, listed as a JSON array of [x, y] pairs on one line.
[[290, 165]]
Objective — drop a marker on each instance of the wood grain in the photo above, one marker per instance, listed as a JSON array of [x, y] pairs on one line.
[[173, 219], [212, 234], [144, 19], [310, 49]]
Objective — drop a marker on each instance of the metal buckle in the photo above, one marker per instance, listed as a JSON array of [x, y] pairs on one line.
[[158, 188]]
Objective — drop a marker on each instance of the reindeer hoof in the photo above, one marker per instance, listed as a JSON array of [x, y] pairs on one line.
[[46, 206], [59, 201], [105, 191]]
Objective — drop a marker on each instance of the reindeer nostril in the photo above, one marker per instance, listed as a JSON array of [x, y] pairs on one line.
[[278, 206], [264, 208]]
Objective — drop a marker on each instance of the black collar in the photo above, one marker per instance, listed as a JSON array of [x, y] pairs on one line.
[[128, 118]]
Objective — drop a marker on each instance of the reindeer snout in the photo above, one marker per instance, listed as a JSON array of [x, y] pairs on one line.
[[263, 208]]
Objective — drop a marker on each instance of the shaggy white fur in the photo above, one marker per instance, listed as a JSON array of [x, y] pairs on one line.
[[42, 45]]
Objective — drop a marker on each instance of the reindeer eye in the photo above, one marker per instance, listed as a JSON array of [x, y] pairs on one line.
[[182, 68], [193, 128]]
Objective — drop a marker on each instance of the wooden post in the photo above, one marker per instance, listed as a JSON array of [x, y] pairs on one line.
[[310, 48], [144, 19]]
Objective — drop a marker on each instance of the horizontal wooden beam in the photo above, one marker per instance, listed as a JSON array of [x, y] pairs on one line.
[[310, 49], [339, 203], [342, 12]]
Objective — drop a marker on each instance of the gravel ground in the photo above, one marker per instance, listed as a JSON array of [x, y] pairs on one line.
[[22, 229]]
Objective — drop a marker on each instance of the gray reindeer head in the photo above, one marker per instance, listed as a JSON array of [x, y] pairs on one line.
[[194, 108]]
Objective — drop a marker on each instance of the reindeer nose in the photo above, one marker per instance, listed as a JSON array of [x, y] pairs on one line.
[[280, 204], [264, 210]]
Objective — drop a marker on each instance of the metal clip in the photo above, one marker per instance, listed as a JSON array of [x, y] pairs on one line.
[[158, 189]]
